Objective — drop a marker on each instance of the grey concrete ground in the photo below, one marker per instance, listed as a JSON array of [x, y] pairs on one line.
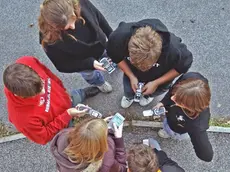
[[203, 25], [25, 156]]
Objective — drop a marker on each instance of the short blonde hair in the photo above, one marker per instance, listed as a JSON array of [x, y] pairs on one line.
[[144, 48], [88, 141]]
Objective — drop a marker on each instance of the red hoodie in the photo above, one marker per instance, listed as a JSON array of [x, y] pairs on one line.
[[40, 117]]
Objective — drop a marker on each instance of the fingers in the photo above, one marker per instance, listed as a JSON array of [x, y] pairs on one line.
[[107, 119], [100, 68], [115, 127], [121, 126], [134, 89]]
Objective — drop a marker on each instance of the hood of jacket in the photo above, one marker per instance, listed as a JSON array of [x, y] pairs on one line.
[[64, 164], [30, 101]]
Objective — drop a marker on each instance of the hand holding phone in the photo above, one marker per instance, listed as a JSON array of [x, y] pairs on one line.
[[118, 119], [154, 112], [118, 130]]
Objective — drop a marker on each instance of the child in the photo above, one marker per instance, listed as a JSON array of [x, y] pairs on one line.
[[143, 158], [188, 113], [38, 104], [73, 34], [89, 147], [147, 52]]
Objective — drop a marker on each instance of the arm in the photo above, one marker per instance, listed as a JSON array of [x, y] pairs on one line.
[[169, 76], [115, 157], [101, 19], [42, 133], [125, 68], [202, 145], [152, 86], [167, 163], [184, 56], [72, 56]]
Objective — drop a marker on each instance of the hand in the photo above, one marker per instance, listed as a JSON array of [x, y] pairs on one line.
[[107, 119], [76, 113], [118, 130], [150, 88], [97, 65], [134, 83], [158, 105]]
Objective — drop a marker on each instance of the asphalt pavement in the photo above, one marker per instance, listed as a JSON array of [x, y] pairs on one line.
[[204, 27], [24, 156]]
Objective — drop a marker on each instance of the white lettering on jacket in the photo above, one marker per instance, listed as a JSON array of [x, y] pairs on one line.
[[48, 95]]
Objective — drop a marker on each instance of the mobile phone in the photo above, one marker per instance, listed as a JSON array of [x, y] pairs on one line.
[[146, 142], [156, 112], [90, 111], [107, 65], [159, 111], [138, 93], [118, 119]]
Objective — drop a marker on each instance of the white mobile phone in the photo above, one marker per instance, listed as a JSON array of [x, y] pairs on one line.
[[146, 142]]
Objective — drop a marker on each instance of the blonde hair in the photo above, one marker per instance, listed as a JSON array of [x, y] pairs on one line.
[[141, 158], [54, 16], [88, 141], [144, 48]]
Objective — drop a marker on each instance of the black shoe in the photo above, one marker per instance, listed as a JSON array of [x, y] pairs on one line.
[[91, 91]]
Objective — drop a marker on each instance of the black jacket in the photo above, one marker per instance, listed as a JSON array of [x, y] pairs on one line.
[[175, 54], [69, 55], [166, 164], [196, 128]]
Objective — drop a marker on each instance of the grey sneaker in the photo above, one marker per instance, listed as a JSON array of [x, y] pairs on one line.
[[126, 102], [163, 134], [105, 88], [145, 101]]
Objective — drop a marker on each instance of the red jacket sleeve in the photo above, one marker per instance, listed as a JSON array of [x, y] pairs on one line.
[[42, 133], [115, 158]]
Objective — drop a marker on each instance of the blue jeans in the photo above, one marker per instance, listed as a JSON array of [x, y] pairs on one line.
[[77, 96], [93, 77], [153, 143], [129, 93], [173, 134]]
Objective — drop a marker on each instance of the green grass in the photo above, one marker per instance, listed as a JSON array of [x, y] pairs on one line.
[[4, 131], [220, 122]]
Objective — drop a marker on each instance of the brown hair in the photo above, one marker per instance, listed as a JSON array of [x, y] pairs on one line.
[[194, 94], [88, 141], [141, 158], [144, 48], [22, 80], [54, 16]]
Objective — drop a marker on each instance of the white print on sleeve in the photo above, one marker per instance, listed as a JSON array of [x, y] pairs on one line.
[[48, 95]]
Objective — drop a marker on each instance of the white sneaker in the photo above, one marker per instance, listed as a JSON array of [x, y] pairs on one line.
[[105, 88], [163, 134], [125, 102], [145, 101]]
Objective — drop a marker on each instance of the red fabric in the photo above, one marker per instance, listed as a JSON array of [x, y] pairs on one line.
[[40, 117]]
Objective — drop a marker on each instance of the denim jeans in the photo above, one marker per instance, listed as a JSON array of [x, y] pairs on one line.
[[173, 134], [93, 77], [129, 93], [154, 143], [77, 96]]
